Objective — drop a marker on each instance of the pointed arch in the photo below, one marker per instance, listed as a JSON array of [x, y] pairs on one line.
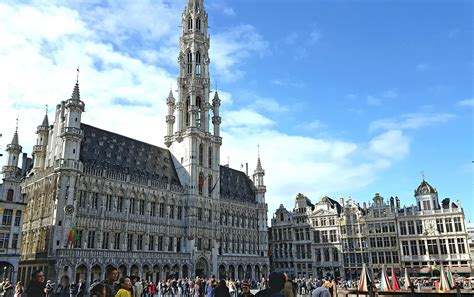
[[201, 154], [209, 156], [198, 63], [209, 185], [198, 113], [198, 24], [190, 23], [189, 62], [187, 111], [201, 183]]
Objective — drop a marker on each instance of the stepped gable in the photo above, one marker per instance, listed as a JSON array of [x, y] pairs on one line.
[[236, 185], [108, 150]]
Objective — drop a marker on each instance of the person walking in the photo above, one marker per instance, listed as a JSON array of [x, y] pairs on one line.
[[125, 287], [276, 282], [19, 289], [8, 288], [322, 291], [221, 289], [288, 287], [36, 286], [110, 284], [245, 290]]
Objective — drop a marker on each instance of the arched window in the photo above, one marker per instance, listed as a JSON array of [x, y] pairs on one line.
[[201, 154], [210, 185], [198, 63], [190, 23], [209, 157], [10, 195], [201, 183], [190, 63], [198, 115], [198, 24], [187, 112]]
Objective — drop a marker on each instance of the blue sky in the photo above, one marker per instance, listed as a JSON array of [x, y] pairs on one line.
[[346, 98]]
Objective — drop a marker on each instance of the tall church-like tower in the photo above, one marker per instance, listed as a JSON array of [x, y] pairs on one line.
[[195, 149], [189, 138]]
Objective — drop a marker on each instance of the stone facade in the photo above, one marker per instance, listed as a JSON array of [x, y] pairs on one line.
[[146, 210], [12, 207], [336, 238]]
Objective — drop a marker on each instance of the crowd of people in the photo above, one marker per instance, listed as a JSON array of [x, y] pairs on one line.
[[277, 285]]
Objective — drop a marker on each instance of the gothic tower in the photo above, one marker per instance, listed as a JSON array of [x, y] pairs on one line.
[[197, 150]]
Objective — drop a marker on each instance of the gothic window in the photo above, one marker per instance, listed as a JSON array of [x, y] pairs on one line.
[[141, 207], [91, 240], [198, 24], [209, 157], [119, 203], [129, 242], [105, 240], [151, 243], [180, 212], [160, 243], [171, 215], [139, 242], [116, 241], [198, 115], [198, 63], [153, 209], [190, 24], [201, 183], [190, 63], [187, 112], [201, 155], [162, 210], [209, 185], [10, 195]]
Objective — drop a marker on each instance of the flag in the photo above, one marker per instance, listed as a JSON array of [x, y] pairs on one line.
[[450, 278], [407, 281], [395, 285], [72, 234], [384, 282], [443, 282], [364, 280]]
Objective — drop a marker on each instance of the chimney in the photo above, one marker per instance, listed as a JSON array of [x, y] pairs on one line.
[[365, 205], [341, 201], [397, 201], [392, 201]]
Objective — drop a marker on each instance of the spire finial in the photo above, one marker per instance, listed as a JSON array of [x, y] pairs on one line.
[[216, 86], [422, 175], [258, 150], [46, 108], [77, 75], [16, 129]]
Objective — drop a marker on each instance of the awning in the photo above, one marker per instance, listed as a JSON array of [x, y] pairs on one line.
[[425, 270], [460, 269]]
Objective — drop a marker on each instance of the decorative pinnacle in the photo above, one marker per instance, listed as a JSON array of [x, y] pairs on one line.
[[15, 135], [422, 175], [259, 163], [75, 93]]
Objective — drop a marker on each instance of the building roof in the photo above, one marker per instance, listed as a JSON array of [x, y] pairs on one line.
[[108, 150], [236, 185], [425, 188]]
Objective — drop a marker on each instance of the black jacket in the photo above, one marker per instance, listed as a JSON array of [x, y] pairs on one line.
[[221, 291], [35, 289]]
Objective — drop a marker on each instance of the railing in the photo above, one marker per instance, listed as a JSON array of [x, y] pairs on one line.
[[107, 254], [72, 131], [67, 164], [39, 148]]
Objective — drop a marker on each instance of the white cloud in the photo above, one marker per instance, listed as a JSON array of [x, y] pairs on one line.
[[124, 91], [390, 144], [291, 38], [466, 103], [410, 121], [233, 47]]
